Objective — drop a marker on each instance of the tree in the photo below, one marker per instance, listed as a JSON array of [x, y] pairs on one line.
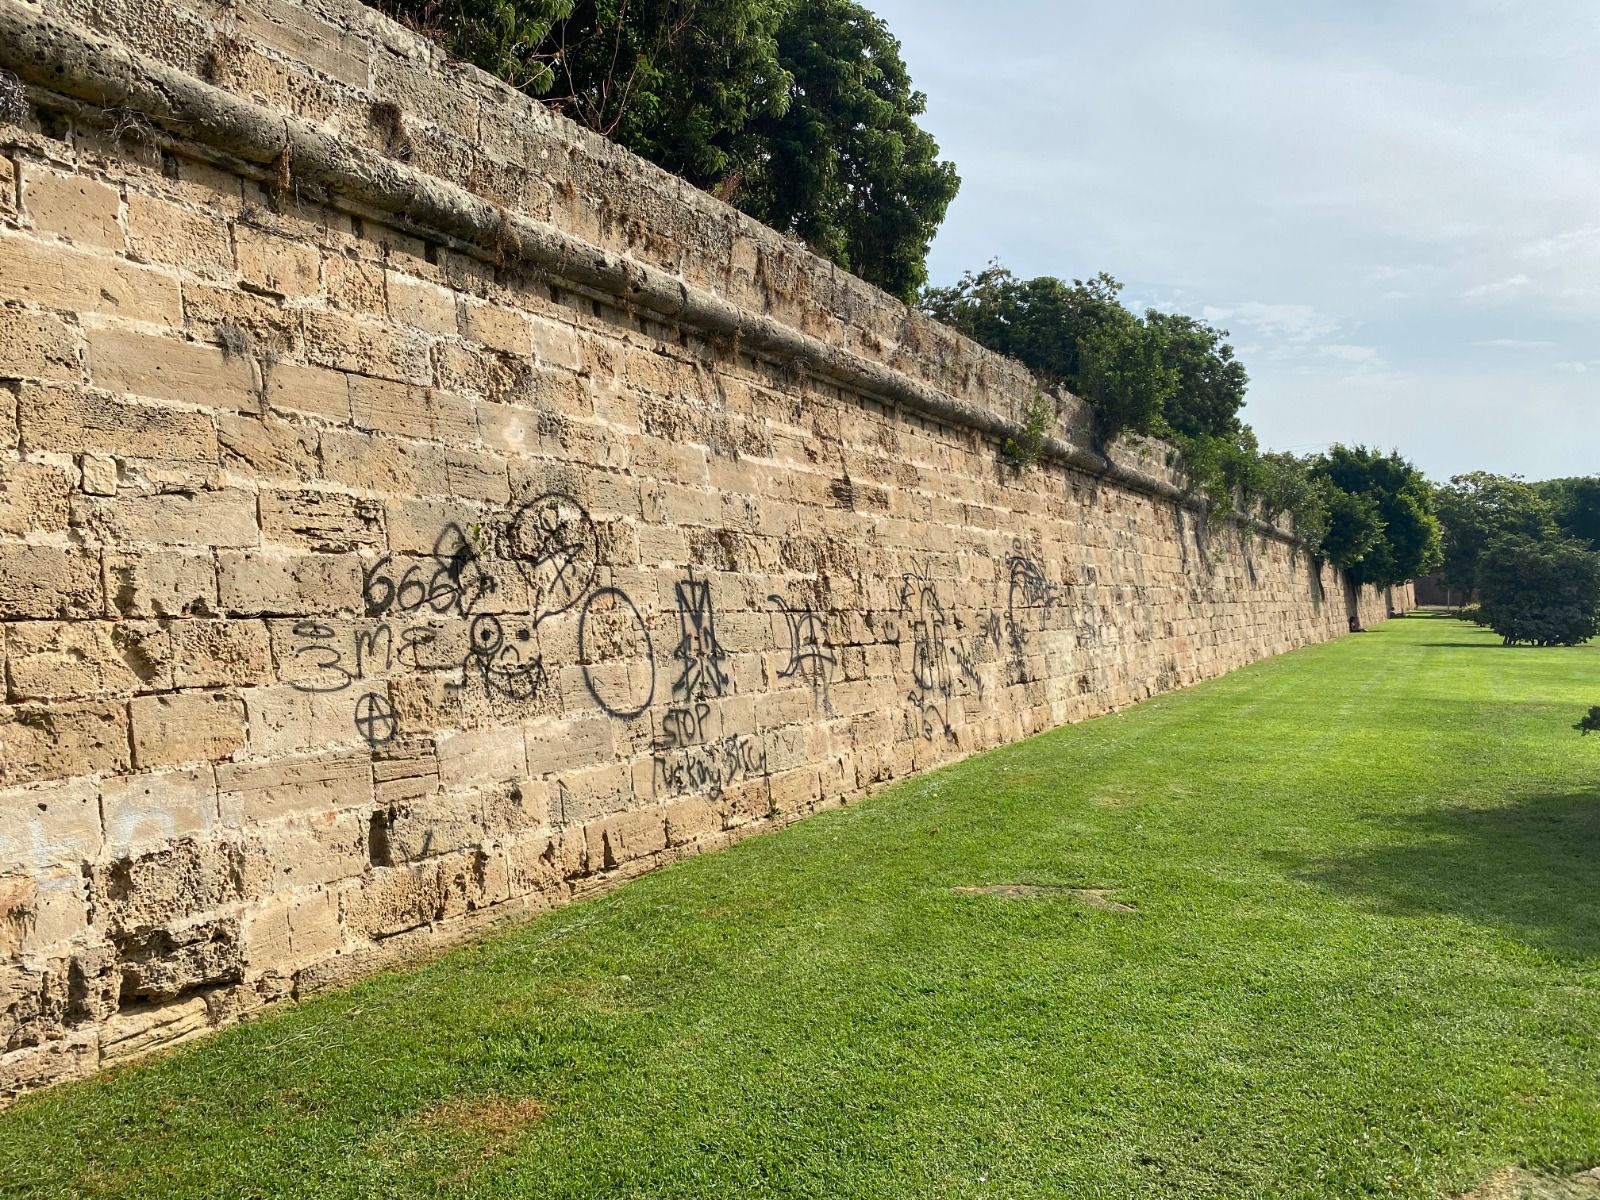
[[1387, 488], [1211, 381], [1575, 505], [1287, 486], [799, 112], [1540, 591], [844, 165], [1475, 509], [1077, 335]]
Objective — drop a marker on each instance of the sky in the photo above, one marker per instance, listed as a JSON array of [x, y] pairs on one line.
[[1394, 207]]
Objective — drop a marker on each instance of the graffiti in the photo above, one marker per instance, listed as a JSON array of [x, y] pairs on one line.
[[508, 667], [553, 542], [811, 657], [701, 654], [451, 579], [1029, 590], [375, 719], [610, 629], [711, 767], [967, 663], [932, 684], [683, 727]]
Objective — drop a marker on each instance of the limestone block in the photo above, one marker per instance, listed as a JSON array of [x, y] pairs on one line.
[[40, 910], [332, 522], [50, 825], [142, 1030], [186, 728], [149, 810], [386, 464], [597, 792], [61, 660], [220, 653], [267, 448], [277, 264], [308, 850], [35, 497], [311, 390], [284, 720], [84, 211], [176, 519], [38, 346], [367, 348], [471, 759], [160, 583], [627, 836], [61, 740], [303, 785], [160, 964], [559, 746], [169, 885], [86, 282], [75, 420], [123, 360], [423, 305], [162, 232], [271, 582]]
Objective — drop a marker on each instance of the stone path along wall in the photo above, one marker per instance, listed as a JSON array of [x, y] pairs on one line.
[[416, 511]]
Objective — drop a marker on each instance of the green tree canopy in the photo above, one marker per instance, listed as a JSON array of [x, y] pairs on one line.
[[1390, 489], [799, 112], [1476, 508], [1166, 374], [1540, 591], [1575, 505]]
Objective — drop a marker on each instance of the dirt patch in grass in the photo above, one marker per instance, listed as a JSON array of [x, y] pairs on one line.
[[494, 1122], [1516, 1184], [1092, 897]]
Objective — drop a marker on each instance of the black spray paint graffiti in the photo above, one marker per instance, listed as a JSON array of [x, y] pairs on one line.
[[932, 683], [1029, 590], [553, 544], [811, 656], [698, 649], [688, 759], [611, 629]]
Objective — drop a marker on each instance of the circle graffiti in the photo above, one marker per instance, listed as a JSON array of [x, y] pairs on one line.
[[486, 635], [376, 720], [553, 541], [612, 635]]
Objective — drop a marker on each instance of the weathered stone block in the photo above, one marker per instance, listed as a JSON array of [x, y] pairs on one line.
[[162, 232], [267, 448], [148, 811], [165, 886], [84, 211], [332, 522], [55, 824], [122, 360], [86, 282], [60, 660], [277, 264], [34, 498], [274, 582], [75, 420], [187, 728], [160, 583], [312, 785], [174, 519], [62, 740], [312, 390], [37, 346], [208, 654]]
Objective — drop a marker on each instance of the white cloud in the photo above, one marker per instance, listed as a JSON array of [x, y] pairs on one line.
[[1500, 287], [1513, 344], [1349, 354]]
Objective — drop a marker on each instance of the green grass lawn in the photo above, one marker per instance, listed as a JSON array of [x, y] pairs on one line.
[[1363, 958]]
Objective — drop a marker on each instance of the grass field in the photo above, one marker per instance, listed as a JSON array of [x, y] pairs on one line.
[[1327, 927]]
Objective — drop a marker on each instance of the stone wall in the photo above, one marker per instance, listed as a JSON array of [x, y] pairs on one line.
[[415, 511]]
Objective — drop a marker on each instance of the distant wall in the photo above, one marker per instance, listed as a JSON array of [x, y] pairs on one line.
[[415, 511]]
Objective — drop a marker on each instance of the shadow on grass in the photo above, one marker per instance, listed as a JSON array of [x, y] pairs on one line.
[[1528, 868]]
